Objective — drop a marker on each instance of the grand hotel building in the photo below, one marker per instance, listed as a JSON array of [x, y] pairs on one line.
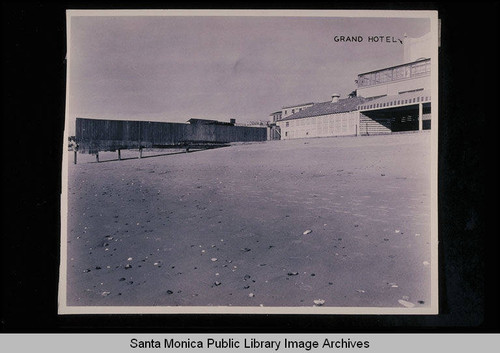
[[391, 99]]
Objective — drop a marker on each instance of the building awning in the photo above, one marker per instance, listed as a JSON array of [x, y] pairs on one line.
[[402, 99]]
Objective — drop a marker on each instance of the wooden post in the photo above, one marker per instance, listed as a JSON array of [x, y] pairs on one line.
[[119, 155], [97, 157], [74, 158], [420, 117], [140, 152]]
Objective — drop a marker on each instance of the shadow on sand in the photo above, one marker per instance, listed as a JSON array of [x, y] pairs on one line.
[[160, 154]]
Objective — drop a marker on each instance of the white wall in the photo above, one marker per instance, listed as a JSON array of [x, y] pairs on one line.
[[416, 48], [342, 124]]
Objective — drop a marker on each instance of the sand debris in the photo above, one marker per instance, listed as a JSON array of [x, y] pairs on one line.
[[426, 263], [406, 303], [213, 259], [251, 295], [319, 302], [293, 273], [308, 231], [360, 290], [105, 294]]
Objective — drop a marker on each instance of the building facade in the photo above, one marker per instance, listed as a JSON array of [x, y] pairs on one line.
[[400, 95], [386, 100], [400, 98], [338, 117]]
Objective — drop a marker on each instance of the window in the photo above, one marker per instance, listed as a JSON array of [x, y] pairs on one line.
[[293, 111], [285, 111], [286, 133], [287, 124]]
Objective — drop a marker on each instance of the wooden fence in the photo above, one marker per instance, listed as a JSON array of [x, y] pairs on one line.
[[95, 135]]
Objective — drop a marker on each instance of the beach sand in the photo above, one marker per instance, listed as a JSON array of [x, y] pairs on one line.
[[225, 227]]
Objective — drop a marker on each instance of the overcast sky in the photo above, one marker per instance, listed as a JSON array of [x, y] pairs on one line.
[[175, 68]]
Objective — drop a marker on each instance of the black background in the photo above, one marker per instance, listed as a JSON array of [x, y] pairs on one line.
[[33, 80]]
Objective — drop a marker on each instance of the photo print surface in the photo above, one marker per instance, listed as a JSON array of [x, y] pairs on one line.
[[250, 162]]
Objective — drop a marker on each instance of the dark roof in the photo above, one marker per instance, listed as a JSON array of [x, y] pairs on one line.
[[207, 122], [325, 108]]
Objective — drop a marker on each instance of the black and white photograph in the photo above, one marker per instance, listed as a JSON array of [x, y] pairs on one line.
[[250, 162]]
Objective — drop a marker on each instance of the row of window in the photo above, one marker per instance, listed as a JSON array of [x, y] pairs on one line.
[[276, 117], [293, 111], [321, 122], [394, 74], [396, 102]]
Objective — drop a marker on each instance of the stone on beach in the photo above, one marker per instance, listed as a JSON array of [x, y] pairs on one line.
[[406, 303], [319, 302]]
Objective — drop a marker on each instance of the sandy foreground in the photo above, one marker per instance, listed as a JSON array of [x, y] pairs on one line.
[[225, 227]]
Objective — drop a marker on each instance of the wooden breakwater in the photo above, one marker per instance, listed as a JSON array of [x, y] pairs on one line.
[[95, 135]]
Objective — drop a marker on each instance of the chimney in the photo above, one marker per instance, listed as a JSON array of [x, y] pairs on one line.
[[335, 97]]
